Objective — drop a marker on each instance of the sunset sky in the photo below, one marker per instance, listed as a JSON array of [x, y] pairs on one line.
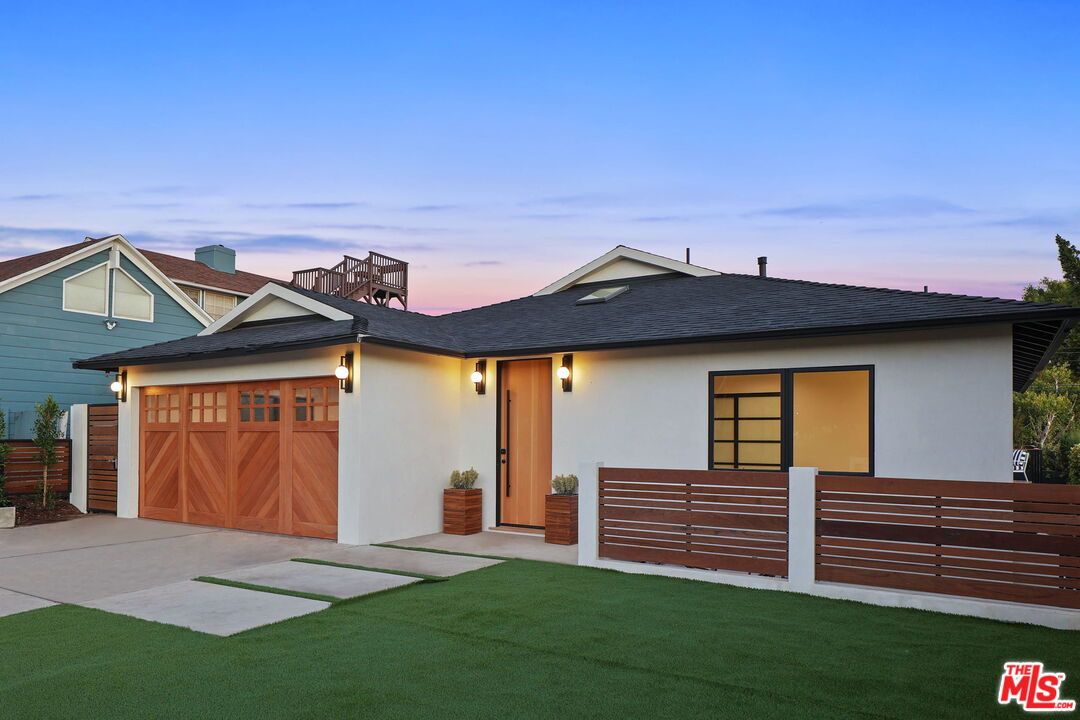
[[497, 146]]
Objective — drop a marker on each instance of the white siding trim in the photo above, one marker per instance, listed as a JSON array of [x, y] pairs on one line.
[[266, 294], [625, 253]]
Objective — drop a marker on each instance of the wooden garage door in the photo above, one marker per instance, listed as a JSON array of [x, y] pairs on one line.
[[255, 456]]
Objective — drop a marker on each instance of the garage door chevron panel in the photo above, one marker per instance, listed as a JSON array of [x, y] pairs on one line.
[[161, 475], [258, 481], [314, 487], [206, 491]]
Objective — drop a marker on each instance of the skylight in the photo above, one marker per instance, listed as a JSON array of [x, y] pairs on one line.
[[602, 295]]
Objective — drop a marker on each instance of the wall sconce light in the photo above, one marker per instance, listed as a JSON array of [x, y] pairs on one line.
[[479, 376], [343, 372], [566, 373], [119, 386]]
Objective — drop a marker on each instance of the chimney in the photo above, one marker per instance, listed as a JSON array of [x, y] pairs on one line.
[[217, 257], [761, 263]]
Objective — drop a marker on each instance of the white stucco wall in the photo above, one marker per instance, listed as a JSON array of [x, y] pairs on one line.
[[407, 442], [943, 403]]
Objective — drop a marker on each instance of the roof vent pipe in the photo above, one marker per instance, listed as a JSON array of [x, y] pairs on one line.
[[761, 263]]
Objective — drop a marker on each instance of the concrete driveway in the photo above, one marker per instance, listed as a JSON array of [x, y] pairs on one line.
[[99, 556]]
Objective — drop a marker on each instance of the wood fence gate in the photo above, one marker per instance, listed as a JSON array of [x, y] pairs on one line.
[[102, 423]]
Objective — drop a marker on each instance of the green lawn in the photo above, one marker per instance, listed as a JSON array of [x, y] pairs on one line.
[[527, 639]]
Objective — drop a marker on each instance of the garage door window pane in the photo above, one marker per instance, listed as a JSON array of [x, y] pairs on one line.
[[261, 405], [316, 403]]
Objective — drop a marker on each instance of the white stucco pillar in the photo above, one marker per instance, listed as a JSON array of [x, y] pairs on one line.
[[79, 439], [801, 529], [127, 455], [588, 512], [350, 464]]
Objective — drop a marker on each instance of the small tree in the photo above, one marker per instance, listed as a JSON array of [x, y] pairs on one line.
[[4, 449], [46, 433]]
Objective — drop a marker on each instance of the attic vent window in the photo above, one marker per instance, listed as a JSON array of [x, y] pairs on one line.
[[602, 295]]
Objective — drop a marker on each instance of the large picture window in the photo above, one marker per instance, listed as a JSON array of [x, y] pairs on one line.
[[807, 417]]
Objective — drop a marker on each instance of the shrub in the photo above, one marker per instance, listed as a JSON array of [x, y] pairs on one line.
[[564, 484], [463, 479], [1074, 464]]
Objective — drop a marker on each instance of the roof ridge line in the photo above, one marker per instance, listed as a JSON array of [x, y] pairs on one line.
[[986, 298]]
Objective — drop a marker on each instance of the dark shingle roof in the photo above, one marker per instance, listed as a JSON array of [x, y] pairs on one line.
[[241, 341], [655, 311]]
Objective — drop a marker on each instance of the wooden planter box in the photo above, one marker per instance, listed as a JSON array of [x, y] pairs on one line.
[[560, 519], [463, 511]]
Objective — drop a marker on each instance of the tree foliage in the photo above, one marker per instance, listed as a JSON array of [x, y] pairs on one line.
[[46, 433], [1045, 416], [1065, 291]]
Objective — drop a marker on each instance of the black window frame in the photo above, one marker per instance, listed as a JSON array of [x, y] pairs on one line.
[[787, 415]]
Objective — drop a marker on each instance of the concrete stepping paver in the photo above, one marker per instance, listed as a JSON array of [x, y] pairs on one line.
[[318, 579], [12, 602], [425, 563], [208, 608]]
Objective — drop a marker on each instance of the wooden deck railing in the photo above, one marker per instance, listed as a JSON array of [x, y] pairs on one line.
[[23, 471], [998, 541], [695, 518], [376, 279]]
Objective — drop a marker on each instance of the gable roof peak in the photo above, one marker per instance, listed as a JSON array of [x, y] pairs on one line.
[[624, 262]]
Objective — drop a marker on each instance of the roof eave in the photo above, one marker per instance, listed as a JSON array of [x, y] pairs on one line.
[[825, 331], [1048, 355], [114, 365]]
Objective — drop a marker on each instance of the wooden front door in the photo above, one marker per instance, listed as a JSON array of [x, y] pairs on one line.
[[254, 456], [524, 441], [101, 432]]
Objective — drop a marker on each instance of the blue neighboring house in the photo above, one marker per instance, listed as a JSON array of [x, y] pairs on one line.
[[101, 295]]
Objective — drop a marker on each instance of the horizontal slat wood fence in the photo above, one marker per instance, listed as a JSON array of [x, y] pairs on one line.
[[998, 541], [696, 518], [23, 471]]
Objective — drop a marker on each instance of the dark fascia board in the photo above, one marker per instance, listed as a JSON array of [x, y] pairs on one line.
[[113, 366], [1048, 355], [826, 331]]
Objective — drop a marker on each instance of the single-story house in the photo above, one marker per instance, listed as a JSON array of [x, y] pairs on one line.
[[96, 296], [632, 360]]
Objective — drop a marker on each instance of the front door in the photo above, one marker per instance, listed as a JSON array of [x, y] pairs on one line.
[[524, 441]]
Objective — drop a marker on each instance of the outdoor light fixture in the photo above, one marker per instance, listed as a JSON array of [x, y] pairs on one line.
[[343, 372], [479, 376], [566, 373], [119, 386]]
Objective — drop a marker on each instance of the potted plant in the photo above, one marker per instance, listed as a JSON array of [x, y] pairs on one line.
[[463, 507], [7, 510], [560, 511]]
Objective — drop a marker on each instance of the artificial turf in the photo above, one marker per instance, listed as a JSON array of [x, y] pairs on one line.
[[529, 639]]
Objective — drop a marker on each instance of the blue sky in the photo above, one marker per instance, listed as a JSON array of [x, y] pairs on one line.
[[497, 146]]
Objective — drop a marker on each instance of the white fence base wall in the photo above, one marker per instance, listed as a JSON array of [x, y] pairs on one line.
[[801, 539], [79, 440]]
